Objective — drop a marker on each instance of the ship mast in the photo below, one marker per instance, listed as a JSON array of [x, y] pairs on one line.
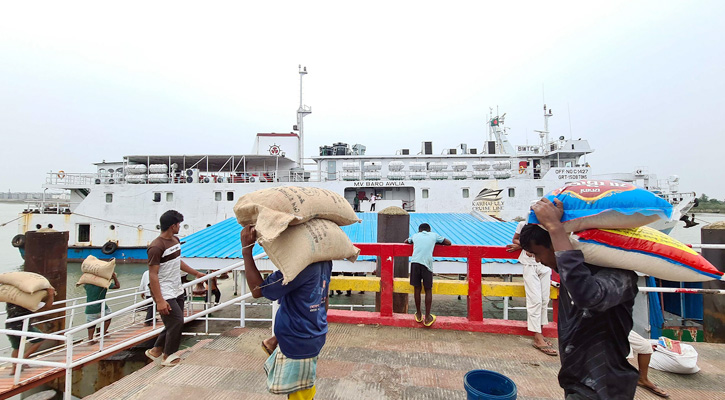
[[544, 135], [301, 113]]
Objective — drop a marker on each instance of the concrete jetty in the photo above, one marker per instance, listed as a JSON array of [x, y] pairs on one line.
[[380, 362]]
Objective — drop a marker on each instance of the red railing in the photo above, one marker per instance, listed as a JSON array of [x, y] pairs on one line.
[[473, 322]]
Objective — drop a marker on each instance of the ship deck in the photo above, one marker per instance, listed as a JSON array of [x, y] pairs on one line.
[[379, 362]]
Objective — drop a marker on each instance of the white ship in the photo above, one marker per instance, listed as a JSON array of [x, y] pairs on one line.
[[114, 211]]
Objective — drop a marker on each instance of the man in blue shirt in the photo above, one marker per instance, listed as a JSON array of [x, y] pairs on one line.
[[301, 322], [421, 269]]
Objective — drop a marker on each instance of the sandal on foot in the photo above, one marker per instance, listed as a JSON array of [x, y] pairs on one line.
[[655, 390], [548, 350], [171, 361], [156, 360], [432, 320], [418, 320]]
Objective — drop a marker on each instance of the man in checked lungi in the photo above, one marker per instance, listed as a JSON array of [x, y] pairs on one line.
[[300, 325]]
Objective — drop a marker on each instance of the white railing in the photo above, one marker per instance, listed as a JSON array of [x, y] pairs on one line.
[[127, 317]]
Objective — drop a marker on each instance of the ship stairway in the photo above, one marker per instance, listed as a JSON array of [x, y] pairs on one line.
[[71, 349]]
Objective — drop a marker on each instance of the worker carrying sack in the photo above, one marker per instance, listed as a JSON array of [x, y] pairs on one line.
[[94, 280], [11, 294], [645, 250], [104, 269], [272, 210], [606, 204], [301, 245], [28, 282]]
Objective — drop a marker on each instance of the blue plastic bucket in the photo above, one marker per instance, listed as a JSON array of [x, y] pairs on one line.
[[482, 384]]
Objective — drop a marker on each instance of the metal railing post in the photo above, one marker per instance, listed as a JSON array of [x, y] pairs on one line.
[[275, 307], [21, 351], [475, 301], [386, 282], [243, 307], [68, 367], [103, 324], [72, 314]]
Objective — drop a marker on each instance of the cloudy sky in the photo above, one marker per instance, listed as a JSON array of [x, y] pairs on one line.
[[81, 82]]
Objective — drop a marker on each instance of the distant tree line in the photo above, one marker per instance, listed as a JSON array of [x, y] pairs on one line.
[[707, 204]]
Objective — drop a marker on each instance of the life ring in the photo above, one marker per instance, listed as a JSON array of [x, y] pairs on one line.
[[252, 179], [61, 174], [220, 179], [18, 241], [109, 247]]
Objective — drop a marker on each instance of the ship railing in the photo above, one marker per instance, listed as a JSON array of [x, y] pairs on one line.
[[52, 206], [62, 178]]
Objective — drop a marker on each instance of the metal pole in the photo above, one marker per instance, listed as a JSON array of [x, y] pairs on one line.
[[21, 351], [243, 307], [68, 368], [275, 307]]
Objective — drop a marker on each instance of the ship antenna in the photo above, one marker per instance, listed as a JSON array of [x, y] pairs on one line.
[[302, 112]]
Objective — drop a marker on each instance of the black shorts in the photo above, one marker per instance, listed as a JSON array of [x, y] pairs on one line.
[[419, 272]]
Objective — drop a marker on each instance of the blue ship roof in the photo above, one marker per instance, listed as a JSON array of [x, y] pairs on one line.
[[221, 240]]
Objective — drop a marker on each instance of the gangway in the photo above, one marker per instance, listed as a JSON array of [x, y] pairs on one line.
[[75, 351]]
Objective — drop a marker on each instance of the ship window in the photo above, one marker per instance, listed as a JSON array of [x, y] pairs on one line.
[[84, 232], [217, 196], [109, 197], [465, 193], [169, 197], [425, 193], [157, 197], [539, 192], [230, 196], [512, 192]]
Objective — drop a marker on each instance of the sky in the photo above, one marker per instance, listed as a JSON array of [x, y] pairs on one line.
[[82, 82]]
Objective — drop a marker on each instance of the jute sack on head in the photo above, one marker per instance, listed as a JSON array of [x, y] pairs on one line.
[[96, 280], [272, 210], [11, 294], [644, 250], [104, 269], [301, 245], [28, 282], [590, 204]]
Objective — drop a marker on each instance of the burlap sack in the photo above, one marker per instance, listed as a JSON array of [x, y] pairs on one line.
[[94, 280], [11, 294], [28, 282], [273, 210], [301, 245], [104, 269]]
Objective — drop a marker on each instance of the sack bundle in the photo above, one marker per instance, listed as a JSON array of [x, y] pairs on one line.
[[272, 210], [606, 204], [679, 359], [646, 250], [298, 226], [26, 289], [301, 245], [97, 272]]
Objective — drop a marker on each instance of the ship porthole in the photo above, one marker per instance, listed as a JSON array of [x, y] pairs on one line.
[[186, 226], [112, 227], [158, 226], [50, 226], [208, 225], [38, 226]]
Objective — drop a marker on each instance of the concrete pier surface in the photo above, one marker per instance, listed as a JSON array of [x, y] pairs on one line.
[[377, 362]]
